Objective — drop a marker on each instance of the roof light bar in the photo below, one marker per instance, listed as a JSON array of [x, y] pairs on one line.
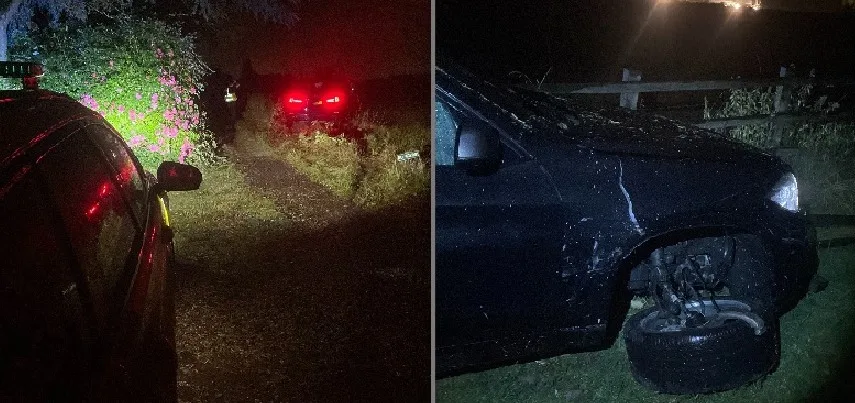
[[28, 72], [21, 70]]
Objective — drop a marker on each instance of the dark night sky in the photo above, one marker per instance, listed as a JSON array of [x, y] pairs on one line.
[[362, 38], [592, 40], [805, 5]]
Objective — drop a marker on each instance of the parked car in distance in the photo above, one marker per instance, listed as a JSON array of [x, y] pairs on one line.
[[87, 310], [550, 217], [321, 100]]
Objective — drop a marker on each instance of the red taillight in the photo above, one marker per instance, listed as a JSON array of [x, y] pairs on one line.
[[295, 101], [333, 101]]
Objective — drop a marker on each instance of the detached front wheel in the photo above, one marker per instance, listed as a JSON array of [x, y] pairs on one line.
[[724, 354], [693, 345]]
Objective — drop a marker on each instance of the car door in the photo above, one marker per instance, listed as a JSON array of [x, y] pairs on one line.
[[104, 235], [498, 241], [148, 316], [106, 210]]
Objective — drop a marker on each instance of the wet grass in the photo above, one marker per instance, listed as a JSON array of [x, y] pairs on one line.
[[817, 340]]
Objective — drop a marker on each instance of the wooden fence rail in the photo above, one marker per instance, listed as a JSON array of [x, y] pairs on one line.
[[677, 86], [632, 86]]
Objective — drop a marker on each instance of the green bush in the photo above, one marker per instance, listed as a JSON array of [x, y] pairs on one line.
[[144, 77]]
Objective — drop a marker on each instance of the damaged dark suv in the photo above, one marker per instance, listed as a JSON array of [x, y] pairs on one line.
[[551, 217]]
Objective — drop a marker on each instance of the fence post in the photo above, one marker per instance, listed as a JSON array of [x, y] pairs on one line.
[[629, 100], [782, 101]]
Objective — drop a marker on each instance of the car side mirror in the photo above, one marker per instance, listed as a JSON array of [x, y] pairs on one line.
[[478, 149], [172, 176]]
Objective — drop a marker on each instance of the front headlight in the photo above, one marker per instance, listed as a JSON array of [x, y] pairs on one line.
[[786, 192]]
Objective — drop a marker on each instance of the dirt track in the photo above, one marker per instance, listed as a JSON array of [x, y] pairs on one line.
[[333, 305]]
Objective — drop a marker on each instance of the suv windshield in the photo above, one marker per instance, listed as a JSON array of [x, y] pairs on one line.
[[515, 110]]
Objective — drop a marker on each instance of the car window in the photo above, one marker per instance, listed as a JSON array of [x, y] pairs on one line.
[[100, 225], [446, 129], [125, 169], [39, 295]]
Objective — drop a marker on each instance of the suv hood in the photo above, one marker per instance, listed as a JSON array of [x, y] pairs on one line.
[[623, 132], [619, 131], [535, 118]]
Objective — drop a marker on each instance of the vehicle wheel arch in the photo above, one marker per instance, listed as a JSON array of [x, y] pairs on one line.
[[622, 295]]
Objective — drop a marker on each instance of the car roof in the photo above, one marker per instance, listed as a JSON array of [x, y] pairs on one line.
[[28, 116], [323, 82]]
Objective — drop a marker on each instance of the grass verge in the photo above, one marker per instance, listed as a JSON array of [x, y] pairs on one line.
[[331, 161]]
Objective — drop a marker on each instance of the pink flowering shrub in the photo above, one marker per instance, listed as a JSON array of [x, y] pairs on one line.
[[144, 77]]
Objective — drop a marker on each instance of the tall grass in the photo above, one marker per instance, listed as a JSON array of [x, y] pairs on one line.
[[331, 161], [387, 179], [361, 164]]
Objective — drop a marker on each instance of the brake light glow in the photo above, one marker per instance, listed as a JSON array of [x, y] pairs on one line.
[[333, 101], [295, 101]]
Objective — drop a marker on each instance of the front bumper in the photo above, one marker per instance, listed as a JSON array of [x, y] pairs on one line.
[[792, 241]]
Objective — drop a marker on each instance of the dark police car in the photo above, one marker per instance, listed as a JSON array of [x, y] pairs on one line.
[[86, 282], [550, 217]]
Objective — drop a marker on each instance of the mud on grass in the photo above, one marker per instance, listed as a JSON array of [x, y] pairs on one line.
[[817, 340]]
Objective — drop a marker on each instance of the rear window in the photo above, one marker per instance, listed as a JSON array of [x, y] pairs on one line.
[[125, 170], [101, 227]]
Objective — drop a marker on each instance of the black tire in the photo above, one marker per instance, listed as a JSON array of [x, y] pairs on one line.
[[714, 358], [694, 361]]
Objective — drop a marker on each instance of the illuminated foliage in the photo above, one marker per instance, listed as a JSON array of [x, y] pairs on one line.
[[144, 77]]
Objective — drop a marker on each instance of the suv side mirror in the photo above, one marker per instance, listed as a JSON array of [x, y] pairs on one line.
[[172, 176], [478, 149]]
